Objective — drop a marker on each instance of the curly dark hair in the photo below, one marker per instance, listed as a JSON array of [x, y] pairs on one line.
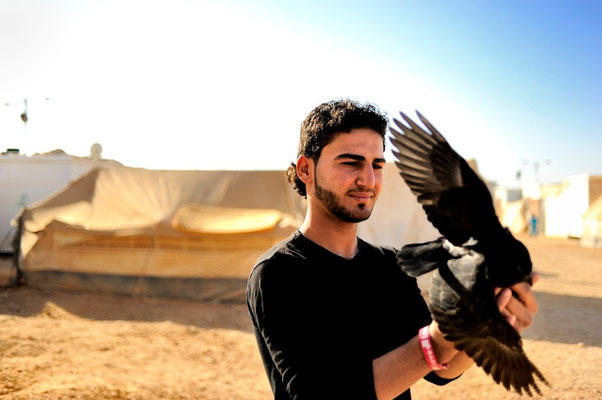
[[327, 121]]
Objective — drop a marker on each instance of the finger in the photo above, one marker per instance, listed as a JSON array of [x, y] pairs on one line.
[[526, 296], [503, 297], [524, 318], [509, 317]]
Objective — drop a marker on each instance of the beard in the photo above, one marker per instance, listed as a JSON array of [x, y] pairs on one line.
[[333, 204]]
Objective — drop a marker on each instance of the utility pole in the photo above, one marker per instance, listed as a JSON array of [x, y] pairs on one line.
[[24, 115], [536, 164]]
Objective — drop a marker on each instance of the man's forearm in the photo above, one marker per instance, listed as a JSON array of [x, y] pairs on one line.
[[397, 370]]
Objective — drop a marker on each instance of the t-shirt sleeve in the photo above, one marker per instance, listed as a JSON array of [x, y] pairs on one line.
[[311, 357], [432, 377]]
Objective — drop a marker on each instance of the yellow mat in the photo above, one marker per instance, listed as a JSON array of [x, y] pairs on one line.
[[217, 220]]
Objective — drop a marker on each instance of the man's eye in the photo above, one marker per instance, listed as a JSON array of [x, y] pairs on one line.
[[377, 166], [351, 163]]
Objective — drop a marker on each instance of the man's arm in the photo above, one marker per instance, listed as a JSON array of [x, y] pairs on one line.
[[397, 370]]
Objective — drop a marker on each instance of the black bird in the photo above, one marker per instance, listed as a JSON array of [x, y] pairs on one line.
[[474, 256]]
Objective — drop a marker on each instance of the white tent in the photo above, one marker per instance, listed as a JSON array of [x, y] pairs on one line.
[[168, 233]]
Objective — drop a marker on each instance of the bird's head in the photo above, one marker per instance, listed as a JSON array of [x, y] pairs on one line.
[[523, 260], [516, 265]]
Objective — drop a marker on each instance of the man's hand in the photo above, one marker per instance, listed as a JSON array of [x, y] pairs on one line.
[[518, 303], [444, 349]]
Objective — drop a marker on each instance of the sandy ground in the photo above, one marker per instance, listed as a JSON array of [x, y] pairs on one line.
[[60, 345]]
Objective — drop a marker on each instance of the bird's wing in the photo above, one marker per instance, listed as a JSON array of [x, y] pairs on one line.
[[419, 258], [476, 326], [493, 345], [455, 199]]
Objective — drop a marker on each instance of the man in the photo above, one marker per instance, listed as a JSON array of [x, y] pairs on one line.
[[334, 316]]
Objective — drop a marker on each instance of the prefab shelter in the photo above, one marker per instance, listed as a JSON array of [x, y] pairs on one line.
[[510, 208], [565, 207], [592, 225]]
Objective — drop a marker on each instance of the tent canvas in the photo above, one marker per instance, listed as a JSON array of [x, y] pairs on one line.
[[136, 231]]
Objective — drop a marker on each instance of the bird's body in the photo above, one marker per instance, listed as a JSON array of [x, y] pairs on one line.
[[475, 256]]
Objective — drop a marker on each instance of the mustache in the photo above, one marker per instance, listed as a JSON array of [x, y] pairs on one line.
[[361, 190]]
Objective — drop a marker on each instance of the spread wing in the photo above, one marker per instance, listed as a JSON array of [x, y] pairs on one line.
[[468, 315], [493, 345], [455, 199]]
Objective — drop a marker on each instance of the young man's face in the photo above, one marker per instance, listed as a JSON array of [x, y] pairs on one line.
[[348, 174]]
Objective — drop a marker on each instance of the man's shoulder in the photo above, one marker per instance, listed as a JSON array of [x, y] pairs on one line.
[[278, 268], [288, 248], [285, 251]]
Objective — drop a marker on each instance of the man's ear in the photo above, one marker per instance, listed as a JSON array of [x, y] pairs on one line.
[[305, 169]]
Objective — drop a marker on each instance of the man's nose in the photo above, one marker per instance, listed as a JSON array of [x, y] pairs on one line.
[[366, 178]]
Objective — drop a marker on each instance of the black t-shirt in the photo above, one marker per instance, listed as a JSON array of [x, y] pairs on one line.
[[321, 319]]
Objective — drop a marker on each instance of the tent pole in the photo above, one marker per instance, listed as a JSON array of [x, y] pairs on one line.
[[18, 277]]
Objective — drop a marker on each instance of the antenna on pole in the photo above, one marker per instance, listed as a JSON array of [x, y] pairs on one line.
[[24, 117]]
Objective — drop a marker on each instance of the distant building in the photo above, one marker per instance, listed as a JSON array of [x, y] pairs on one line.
[[564, 205], [566, 209], [592, 225], [509, 207]]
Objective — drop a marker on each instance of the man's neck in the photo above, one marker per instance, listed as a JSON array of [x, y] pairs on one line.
[[330, 232]]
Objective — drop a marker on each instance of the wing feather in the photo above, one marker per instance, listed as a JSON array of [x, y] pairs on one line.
[[455, 199]]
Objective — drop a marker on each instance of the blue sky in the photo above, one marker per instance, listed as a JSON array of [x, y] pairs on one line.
[[225, 85]]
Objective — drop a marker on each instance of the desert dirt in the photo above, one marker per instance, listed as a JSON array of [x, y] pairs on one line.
[[65, 345]]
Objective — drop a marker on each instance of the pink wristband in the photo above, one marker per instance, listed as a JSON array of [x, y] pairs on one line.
[[427, 349]]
